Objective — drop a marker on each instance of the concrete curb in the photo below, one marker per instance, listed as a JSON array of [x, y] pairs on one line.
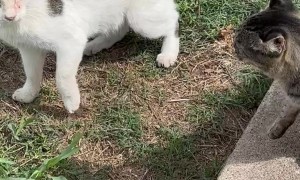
[[256, 157]]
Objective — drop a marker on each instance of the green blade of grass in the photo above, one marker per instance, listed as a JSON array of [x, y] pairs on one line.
[[71, 150], [5, 161], [3, 171], [16, 130], [24, 122], [13, 129]]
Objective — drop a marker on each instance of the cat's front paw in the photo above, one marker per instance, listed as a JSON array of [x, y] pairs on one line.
[[276, 131], [25, 95], [166, 60], [71, 103]]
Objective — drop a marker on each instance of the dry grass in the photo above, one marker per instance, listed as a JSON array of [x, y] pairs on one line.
[[161, 98], [139, 121]]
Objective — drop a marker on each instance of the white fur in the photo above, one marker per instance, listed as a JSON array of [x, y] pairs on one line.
[[34, 32]]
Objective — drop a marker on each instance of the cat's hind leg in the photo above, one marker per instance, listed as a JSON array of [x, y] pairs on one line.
[[33, 61], [105, 41], [154, 19]]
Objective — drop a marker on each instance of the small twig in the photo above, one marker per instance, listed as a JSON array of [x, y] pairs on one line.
[[144, 176], [14, 108], [177, 67], [230, 75], [111, 177], [200, 63], [236, 119], [227, 53], [153, 113], [178, 100], [208, 145]]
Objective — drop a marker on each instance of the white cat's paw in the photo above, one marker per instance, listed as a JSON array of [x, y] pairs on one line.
[[92, 49], [72, 103], [25, 95], [166, 60]]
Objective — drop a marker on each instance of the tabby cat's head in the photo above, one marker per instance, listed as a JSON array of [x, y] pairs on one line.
[[265, 38]]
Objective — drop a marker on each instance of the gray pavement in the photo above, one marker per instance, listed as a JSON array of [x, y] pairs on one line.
[[256, 157]]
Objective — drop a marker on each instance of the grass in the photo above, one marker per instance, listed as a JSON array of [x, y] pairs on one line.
[[218, 14], [17, 142], [209, 117], [118, 124], [138, 121]]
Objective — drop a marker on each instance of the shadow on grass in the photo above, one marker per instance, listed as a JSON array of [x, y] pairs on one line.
[[129, 48], [219, 120], [182, 158]]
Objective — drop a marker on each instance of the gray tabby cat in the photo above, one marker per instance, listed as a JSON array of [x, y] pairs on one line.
[[270, 40]]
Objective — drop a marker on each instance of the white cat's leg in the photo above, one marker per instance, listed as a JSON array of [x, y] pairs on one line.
[[154, 19], [33, 62], [169, 51], [68, 60], [105, 41]]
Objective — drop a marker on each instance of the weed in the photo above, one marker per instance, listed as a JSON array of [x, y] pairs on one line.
[[7, 167]]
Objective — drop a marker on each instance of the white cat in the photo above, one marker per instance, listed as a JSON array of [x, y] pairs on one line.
[[64, 26]]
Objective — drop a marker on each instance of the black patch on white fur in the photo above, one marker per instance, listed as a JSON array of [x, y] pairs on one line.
[[56, 7]]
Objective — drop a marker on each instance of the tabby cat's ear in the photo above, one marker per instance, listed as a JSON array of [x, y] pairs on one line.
[[276, 45], [286, 5]]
